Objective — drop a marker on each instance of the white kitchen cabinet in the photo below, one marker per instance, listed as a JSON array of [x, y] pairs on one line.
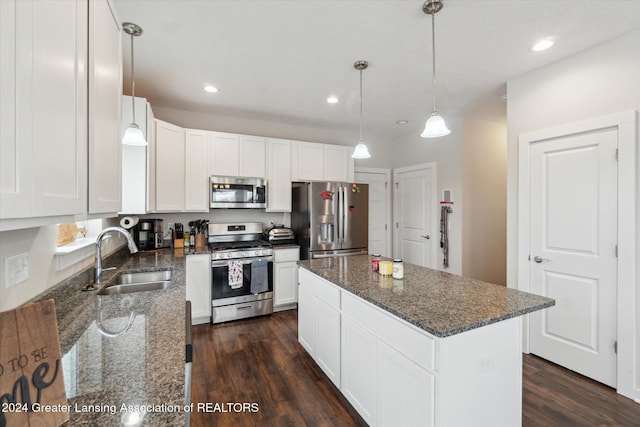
[[170, 164], [198, 284], [236, 155], [105, 91], [321, 162], [278, 162], [359, 359], [136, 173], [319, 320], [196, 171], [251, 156], [308, 161], [285, 278], [223, 153], [336, 163], [43, 109], [405, 391]]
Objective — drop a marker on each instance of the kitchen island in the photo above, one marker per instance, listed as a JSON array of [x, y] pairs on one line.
[[432, 349], [124, 355]]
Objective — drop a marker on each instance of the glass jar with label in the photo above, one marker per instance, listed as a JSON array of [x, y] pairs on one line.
[[398, 269]]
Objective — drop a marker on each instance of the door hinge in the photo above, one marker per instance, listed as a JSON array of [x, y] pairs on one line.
[[397, 184], [529, 258], [616, 251], [386, 184], [385, 227], [615, 347], [396, 225], [616, 154]]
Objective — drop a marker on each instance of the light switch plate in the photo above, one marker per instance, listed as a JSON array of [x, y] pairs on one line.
[[16, 269]]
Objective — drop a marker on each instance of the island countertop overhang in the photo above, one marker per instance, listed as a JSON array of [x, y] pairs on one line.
[[440, 303]]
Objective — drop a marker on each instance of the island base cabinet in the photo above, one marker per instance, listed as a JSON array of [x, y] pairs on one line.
[[306, 320], [481, 371], [359, 368], [319, 322], [405, 392]]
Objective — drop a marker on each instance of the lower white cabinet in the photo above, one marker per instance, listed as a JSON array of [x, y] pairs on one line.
[[319, 322], [198, 278], [359, 368], [285, 278]]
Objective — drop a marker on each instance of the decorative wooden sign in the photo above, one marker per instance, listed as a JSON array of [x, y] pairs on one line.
[[31, 381]]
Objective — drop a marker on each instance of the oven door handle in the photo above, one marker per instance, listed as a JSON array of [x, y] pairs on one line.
[[225, 262]]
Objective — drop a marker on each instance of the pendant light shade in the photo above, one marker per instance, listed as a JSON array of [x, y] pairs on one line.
[[361, 151], [435, 126], [133, 135]]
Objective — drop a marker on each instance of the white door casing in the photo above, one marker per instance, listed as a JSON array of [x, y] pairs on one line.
[[379, 181], [628, 256], [415, 214], [573, 239]]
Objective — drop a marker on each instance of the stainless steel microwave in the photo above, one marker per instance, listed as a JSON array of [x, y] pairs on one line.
[[234, 192]]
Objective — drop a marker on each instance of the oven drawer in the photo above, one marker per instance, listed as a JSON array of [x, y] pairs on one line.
[[242, 311]]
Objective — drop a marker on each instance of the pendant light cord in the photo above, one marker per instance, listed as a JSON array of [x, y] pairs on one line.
[[133, 84], [433, 51], [361, 140]]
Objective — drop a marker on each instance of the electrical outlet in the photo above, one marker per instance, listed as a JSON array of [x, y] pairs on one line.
[[16, 269]]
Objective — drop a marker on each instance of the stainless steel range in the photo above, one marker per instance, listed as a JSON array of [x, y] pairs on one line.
[[241, 271]]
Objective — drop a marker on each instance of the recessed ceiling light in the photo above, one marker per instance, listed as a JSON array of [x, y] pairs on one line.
[[332, 99], [543, 44], [402, 122], [210, 89]]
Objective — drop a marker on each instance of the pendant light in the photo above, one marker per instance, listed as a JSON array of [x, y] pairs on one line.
[[133, 135], [361, 151], [435, 126]]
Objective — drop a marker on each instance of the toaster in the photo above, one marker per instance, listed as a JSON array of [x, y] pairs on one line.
[[280, 235]]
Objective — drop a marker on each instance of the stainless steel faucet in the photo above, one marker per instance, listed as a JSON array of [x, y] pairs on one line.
[[97, 272]]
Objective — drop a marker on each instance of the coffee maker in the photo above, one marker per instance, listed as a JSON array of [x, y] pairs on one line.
[[147, 234]]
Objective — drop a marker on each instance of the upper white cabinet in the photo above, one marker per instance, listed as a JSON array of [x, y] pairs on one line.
[[308, 161], [278, 175], [170, 167], [60, 79], [43, 108], [321, 162], [223, 153], [236, 155], [196, 171], [135, 160], [252, 153], [105, 91]]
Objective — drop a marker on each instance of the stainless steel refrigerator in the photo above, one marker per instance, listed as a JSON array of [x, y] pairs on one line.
[[330, 218]]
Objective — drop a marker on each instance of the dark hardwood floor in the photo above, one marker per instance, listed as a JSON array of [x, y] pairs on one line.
[[259, 361]]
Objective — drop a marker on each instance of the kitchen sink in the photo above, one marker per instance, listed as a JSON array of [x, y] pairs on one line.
[[138, 282]]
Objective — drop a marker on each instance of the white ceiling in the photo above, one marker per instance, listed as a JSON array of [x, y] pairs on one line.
[[279, 60]]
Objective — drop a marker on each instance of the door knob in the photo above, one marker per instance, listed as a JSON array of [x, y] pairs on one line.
[[426, 236], [539, 259]]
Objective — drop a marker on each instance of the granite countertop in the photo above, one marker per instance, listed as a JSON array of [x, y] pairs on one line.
[[144, 364], [440, 303]]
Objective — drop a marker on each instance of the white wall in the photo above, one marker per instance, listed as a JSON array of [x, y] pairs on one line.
[[484, 214], [40, 243], [447, 153], [597, 82]]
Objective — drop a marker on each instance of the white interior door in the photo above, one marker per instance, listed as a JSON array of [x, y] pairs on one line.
[[379, 208], [573, 238], [414, 216]]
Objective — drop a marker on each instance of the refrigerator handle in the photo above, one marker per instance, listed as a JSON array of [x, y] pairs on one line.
[[339, 216], [344, 212]]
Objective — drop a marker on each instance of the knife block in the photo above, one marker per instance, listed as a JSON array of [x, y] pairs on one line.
[[200, 241]]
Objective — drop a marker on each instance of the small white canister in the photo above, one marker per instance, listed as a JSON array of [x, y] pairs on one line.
[[398, 269]]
